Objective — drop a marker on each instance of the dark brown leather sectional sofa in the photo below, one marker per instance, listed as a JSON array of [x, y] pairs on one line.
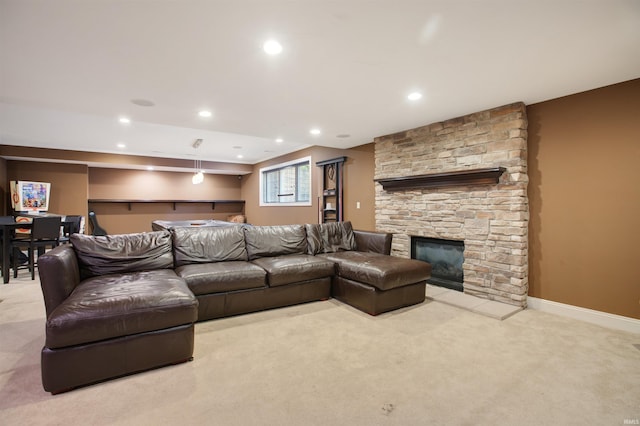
[[121, 304]]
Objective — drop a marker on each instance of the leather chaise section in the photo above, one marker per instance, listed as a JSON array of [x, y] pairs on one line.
[[374, 301], [70, 367], [379, 270], [119, 305]]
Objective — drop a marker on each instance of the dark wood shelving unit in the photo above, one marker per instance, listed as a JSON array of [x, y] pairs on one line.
[[330, 205], [174, 202], [437, 180]]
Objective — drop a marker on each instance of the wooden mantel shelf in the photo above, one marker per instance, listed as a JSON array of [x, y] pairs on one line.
[[174, 202], [437, 180]]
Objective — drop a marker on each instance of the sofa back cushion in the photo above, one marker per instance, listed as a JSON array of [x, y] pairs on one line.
[[269, 241], [330, 237], [314, 239], [337, 236], [208, 244], [114, 254]]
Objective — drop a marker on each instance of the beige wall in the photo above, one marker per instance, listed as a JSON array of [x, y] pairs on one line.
[[584, 192], [358, 187]]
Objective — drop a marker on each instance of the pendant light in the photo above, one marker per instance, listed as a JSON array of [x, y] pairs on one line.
[[198, 173]]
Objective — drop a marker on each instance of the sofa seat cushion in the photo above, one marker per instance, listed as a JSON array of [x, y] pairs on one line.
[[118, 305], [219, 277], [378, 270], [283, 270]]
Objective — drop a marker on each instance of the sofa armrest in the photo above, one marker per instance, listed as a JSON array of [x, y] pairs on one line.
[[59, 275], [376, 242]]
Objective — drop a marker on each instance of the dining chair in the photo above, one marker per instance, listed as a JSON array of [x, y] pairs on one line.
[[45, 232], [23, 219], [71, 226], [3, 219]]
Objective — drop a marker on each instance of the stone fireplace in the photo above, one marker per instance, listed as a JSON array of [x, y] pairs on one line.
[[463, 179]]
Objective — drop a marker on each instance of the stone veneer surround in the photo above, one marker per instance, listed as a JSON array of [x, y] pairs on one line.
[[491, 219]]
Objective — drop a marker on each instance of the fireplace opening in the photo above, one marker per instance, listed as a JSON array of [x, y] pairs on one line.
[[446, 258]]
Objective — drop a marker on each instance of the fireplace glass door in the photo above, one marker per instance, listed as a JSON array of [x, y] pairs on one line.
[[446, 258]]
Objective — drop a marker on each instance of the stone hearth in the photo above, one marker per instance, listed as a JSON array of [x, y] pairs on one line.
[[491, 218]]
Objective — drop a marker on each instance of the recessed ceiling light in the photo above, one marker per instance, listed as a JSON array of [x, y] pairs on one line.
[[272, 47], [124, 120], [279, 140], [142, 102], [315, 131], [150, 168], [414, 96], [240, 156], [121, 145], [205, 114]]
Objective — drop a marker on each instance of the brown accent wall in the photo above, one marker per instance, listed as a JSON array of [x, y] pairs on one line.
[[357, 180], [584, 191], [117, 218], [69, 185], [359, 187]]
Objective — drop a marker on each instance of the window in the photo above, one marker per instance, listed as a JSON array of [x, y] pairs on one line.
[[286, 184]]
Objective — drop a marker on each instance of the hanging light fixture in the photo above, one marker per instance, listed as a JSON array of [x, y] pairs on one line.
[[198, 173]]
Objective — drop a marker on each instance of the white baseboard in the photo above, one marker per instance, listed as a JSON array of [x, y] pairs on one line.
[[604, 319]]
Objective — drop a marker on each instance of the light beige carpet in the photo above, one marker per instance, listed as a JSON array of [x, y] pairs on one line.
[[325, 363]]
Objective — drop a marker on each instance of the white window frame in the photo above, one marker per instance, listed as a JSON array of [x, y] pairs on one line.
[[264, 170]]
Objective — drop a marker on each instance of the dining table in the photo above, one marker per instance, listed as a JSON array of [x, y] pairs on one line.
[[9, 225]]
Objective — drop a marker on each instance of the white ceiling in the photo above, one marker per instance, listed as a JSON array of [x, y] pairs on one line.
[[69, 69]]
